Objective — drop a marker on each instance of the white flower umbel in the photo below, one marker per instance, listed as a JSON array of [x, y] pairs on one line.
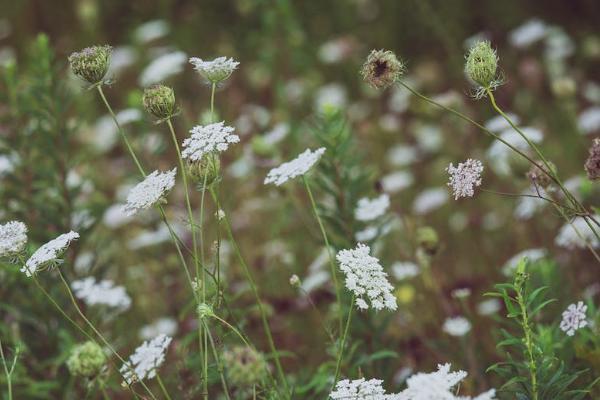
[[213, 138], [13, 238], [366, 279], [101, 293], [573, 318], [292, 169], [359, 389], [577, 234], [215, 71], [465, 177], [370, 209], [457, 326], [48, 253], [146, 359], [150, 191]]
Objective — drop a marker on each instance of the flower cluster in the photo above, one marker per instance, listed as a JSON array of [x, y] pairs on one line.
[[101, 293], [370, 209], [87, 359], [208, 139], [91, 63], [577, 234], [294, 168], [365, 278], [457, 326], [359, 389], [215, 71], [13, 238], [146, 359], [465, 177], [573, 318], [48, 253], [150, 191]]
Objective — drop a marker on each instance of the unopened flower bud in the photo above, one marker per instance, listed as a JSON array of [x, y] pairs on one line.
[[205, 171], [482, 64], [592, 164], [294, 281], [91, 63], [205, 311], [87, 359], [382, 69], [159, 100]]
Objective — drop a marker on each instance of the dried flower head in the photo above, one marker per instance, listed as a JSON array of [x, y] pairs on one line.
[[205, 171], [213, 138], [48, 253], [91, 63], [365, 278], [592, 164], [482, 66], [538, 177], [245, 367], [382, 69], [159, 100], [146, 359], [215, 71], [370, 209], [101, 293], [465, 177], [573, 318], [86, 359], [294, 168], [13, 238], [150, 191]]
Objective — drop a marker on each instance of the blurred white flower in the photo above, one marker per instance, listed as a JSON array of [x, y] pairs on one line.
[[370, 209], [151, 30], [397, 181], [212, 138], [115, 217], [457, 326], [146, 359], [429, 137], [48, 253], [103, 292], [573, 318], [152, 238], [277, 134], [165, 326], [331, 96], [498, 123], [460, 293], [589, 120], [577, 234], [367, 234], [402, 155], [150, 191], [121, 58], [489, 307], [527, 206], [429, 200], [13, 238], [163, 68], [530, 32], [294, 168], [404, 269], [532, 255]]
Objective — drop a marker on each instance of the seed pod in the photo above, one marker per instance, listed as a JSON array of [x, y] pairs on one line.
[[382, 69], [159, 100], [87, 359], [482, 64], [91, 63]]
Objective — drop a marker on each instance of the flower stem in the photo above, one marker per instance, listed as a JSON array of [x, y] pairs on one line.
[[528, 343], [218, 362], [7, 371], [329, 252], [343, 343], [162, 387]]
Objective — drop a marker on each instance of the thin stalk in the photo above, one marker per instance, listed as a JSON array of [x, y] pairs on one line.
[[329, 252], [343, 343], [162, 386], [7, 371], [528, 344], [218, 362], [233, 329]]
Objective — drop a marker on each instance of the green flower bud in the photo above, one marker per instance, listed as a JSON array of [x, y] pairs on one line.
[[91, 63], [205, 171], [205, 311], [159, 100], [245, 367], [86, 360], [382, 69], [482, 64], [428, 240]]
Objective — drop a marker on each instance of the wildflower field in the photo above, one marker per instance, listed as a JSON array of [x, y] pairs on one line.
[[277, 199]]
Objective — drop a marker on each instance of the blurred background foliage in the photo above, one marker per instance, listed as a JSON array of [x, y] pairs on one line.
[[62, 167]]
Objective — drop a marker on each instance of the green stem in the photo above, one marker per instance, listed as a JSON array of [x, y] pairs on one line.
[[212, 102], [528, 344], [218, 362], [7, 372], [233, 329], [329, 252], [162, 387], [343, 343]]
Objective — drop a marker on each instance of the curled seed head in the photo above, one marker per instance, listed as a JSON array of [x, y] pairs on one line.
[[159, 100], [592, 164], [91, 63], [482, 65], [382, 69], [86, 359]]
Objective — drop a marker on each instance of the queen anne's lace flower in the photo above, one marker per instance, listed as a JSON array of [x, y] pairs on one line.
[[297, 167], [465, 177], [13, 238], [457, 326], [365, 278], [150, 191], [370, 209], [573, 318], [208, 139], [101, 293], [577, 234], [215, 71], [359, 389], [48, 253], [146, 359]]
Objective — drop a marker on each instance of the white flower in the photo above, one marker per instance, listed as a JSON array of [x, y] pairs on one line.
[[151, 30], [166, 326], [332, 96], [573, 318], [397, 181], [569, 234], [294, 168], [215, 71], [461, 293], [498, 123], [489, 307], [528, 33], [457, 326], [206, 139], [402, 155], [404, 269], [150, 191], [359, 389], [527, 206], [370, 209], [115, 217], [49, 252], [365, 278], [429, 200], [589, 120], [101, 293], [146, 359], [13, 238], [162, 68], [367, 234], [465, 177]]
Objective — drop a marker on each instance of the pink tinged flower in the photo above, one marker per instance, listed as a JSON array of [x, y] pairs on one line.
[[573, 318], [465, 177]]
